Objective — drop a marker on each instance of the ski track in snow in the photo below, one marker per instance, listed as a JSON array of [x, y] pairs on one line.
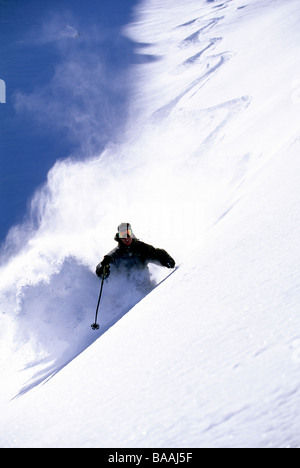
[[218, 341]]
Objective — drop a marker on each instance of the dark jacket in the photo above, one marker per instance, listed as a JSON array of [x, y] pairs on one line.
[[137, 255]]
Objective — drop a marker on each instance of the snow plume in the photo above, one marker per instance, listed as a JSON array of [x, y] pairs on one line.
[[191, 142]]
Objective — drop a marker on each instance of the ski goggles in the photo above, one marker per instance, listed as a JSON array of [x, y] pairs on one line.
[[125, 233]]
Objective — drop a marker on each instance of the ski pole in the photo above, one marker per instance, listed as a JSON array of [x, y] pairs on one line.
[[95, 325]]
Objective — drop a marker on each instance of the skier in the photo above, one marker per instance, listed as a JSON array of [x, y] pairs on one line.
[[131, 253]]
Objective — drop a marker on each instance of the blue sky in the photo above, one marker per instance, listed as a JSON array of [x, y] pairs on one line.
[[64, 64]]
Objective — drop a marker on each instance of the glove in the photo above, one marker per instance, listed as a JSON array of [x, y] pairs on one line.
[[165, 259], [170, 263], [100, 270]]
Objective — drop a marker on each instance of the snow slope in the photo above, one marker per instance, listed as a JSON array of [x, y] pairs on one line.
[[209, 169]]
